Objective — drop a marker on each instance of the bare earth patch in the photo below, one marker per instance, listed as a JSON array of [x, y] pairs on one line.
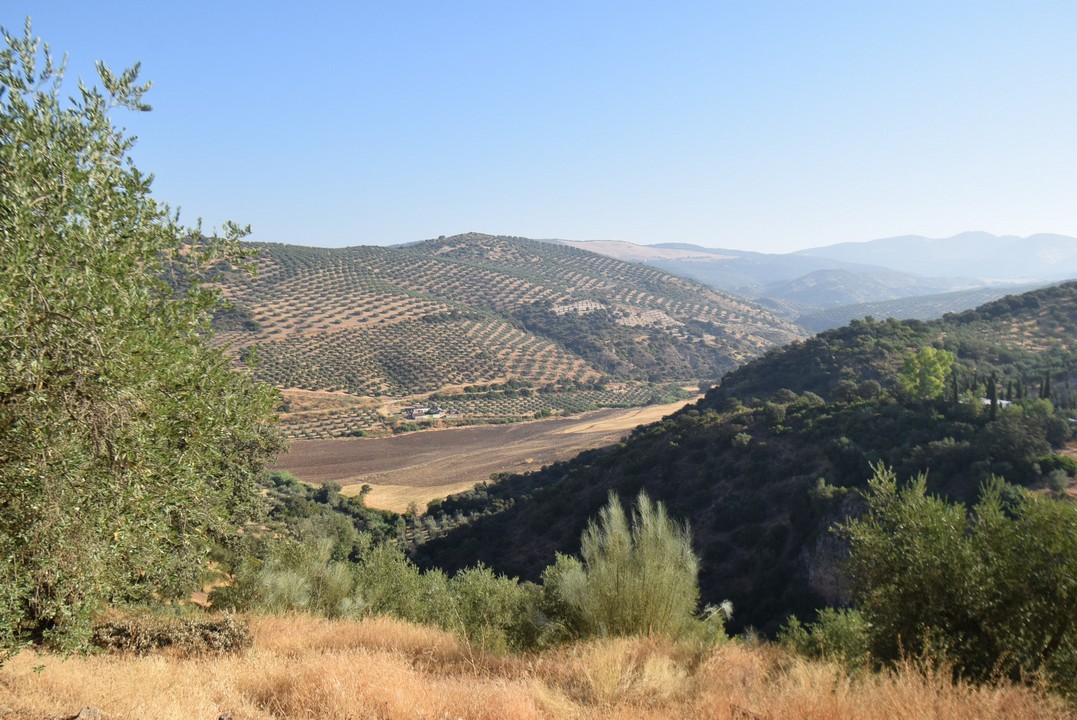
[[423, 466]]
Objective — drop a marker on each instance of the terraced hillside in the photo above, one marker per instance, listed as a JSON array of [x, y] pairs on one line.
[[356, 335]]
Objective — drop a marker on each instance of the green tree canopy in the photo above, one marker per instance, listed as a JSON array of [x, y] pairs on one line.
[[992, 589], [126, 444], [923, 374]]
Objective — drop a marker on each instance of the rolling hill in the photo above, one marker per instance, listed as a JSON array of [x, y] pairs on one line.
[[495, 328], [775, 455]]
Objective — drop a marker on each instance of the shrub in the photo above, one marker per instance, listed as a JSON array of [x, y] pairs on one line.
[[991, 590], [638, 579], [838, 635], [493, 611]]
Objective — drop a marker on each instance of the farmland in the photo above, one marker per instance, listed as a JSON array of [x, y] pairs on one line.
[[492, 329], [419, 467]]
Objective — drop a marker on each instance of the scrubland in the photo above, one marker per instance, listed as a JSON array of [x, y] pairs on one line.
[[302, 667]]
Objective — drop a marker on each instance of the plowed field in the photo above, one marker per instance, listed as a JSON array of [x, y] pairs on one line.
[[419, 467]]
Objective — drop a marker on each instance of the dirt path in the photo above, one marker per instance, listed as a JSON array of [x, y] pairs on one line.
[[420, 467]]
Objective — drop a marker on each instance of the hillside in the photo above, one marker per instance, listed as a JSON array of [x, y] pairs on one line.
[[916, 307], [766, 462], [498, 328], [833, 288]]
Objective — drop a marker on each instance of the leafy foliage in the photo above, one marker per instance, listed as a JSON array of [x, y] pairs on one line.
[[923, 374], [839, 635], [992, 589], [638, 579], [127, 445]]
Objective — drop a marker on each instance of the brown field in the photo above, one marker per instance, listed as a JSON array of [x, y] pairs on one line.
[[381, 669], [423, 466]]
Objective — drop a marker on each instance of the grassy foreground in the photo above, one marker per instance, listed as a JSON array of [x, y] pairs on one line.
[[301, 667]]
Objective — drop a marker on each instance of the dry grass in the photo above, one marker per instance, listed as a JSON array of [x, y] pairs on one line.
[[398, 498], [306, 668]]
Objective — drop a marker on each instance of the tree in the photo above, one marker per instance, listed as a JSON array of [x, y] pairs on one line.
[[923, 374], [992, 589], [638, 579], [127, 445]]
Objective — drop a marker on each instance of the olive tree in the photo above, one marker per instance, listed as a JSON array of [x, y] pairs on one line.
[[127, 445], [991, 588]]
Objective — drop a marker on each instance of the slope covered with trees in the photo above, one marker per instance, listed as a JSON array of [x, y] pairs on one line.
[[438, 316], [768, 461]]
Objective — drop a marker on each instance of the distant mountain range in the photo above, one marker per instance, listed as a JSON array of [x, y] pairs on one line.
[[809, 281], [1042, 257]]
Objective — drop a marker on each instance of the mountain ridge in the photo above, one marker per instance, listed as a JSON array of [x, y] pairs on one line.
[[931, 266]]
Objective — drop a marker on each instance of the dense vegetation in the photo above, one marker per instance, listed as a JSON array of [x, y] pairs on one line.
[[377, 322], [781, 451], [331, 556], [128, 446], [990, 588]]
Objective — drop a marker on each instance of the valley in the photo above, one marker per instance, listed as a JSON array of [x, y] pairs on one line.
[[415, 468]]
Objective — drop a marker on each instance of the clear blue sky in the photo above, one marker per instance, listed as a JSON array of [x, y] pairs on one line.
[[759, 125]]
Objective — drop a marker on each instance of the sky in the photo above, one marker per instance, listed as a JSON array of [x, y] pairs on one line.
[[749, 124]]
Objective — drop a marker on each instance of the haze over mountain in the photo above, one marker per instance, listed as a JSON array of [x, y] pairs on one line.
[[982, 255], [807, 281]]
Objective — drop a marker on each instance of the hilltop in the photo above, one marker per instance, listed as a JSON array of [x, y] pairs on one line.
[[769, 460], [477, 327]]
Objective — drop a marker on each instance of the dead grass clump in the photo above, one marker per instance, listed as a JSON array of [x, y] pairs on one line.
[[143, 634], [740, 681], [370, 684], [641, 672]]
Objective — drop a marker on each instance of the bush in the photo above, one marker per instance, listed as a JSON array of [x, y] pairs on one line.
[[840, 636], [992, 590], [495, 612], [631, 580]]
